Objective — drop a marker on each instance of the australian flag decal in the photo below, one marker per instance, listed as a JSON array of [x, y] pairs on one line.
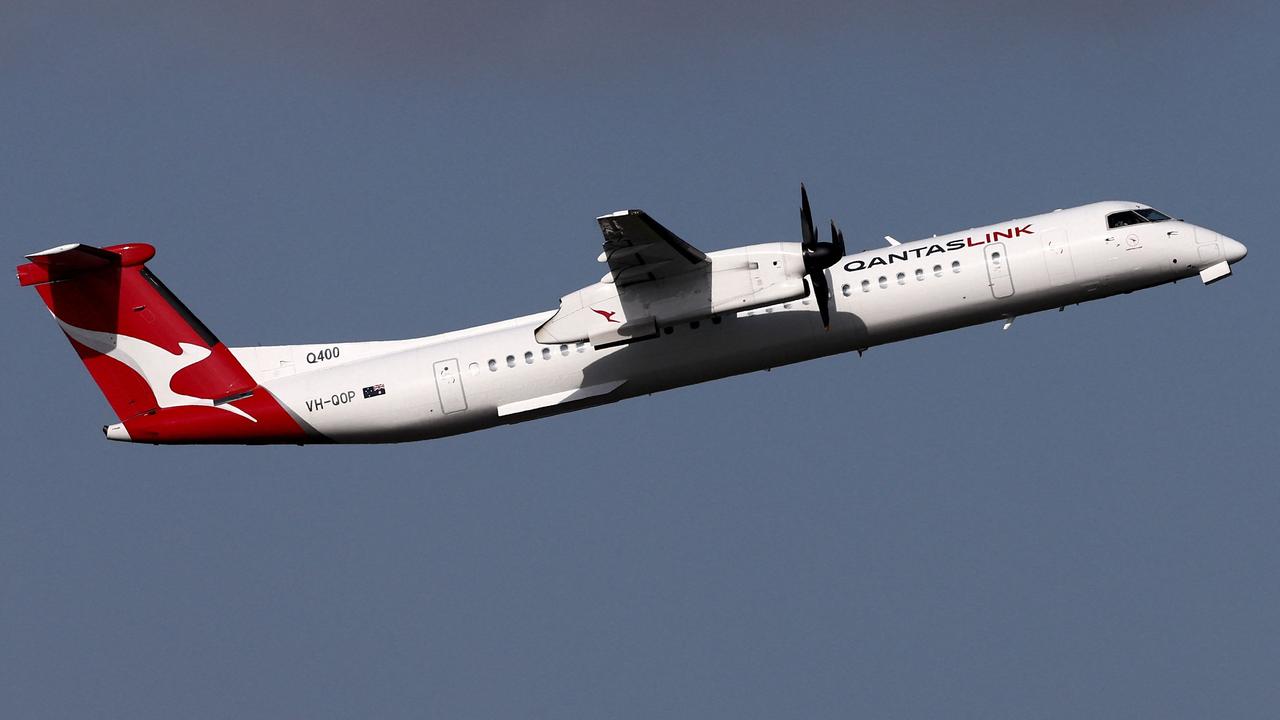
[[374, 391]]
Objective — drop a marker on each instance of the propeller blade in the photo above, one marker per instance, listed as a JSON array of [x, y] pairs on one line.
[[837, 240], [817, 258], [822, 295], [808, 233]]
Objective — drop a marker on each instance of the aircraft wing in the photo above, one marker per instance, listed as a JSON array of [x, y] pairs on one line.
[[638, 249]]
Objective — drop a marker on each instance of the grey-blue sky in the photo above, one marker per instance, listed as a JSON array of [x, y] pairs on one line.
[[1075, 517]]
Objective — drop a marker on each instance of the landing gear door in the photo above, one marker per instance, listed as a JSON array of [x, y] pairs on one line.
[[449, 385], [998, 270]]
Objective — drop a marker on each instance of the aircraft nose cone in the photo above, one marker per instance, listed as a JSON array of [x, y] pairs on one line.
[[1233, 249]]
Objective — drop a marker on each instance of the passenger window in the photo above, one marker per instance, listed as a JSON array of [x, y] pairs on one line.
[[580, 346], [715, 319], [955, 266], [528, 358], [694, 325], [493, 365], [845, 290], [511, 361], [866, 286], [668, 329], [564, 350], [474, 368], [919, 274], [884, 282], [902, 278], [937, 271], [546, 353]]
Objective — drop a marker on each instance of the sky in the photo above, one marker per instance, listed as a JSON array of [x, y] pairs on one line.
[[1074, 518]]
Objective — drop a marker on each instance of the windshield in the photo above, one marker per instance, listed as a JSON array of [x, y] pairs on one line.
[[1133, 217]]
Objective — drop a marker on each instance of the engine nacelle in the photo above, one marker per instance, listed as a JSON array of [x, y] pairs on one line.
[[738, 279]]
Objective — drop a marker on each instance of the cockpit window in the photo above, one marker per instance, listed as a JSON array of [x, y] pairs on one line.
[[1133, 217], [1121, 219]]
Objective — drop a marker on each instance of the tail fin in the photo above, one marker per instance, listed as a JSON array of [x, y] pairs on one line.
[[165, 374]]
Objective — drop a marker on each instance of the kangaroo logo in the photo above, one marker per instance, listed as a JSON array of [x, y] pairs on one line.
[[605, 314], [153, 363]]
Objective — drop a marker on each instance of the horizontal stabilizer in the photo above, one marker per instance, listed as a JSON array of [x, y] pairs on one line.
[[67, 261], [75, 255]]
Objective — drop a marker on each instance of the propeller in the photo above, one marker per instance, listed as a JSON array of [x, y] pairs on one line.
[[819, 257]]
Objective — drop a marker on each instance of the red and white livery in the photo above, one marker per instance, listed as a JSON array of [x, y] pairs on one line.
[[665, 314]]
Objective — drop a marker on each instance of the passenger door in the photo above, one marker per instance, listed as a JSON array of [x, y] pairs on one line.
[[998, 270], [449, 385]]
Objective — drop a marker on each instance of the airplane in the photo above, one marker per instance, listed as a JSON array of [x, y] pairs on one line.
[[664, 315]]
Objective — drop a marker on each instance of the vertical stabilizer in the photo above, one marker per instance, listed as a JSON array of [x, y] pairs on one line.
[[165, 374]]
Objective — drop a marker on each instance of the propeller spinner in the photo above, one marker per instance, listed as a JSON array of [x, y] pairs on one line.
[[819, 256]]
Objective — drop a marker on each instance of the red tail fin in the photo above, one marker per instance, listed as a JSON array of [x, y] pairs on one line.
[[165, 374]]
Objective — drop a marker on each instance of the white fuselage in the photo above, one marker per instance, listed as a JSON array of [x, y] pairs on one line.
[[497, 374]]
